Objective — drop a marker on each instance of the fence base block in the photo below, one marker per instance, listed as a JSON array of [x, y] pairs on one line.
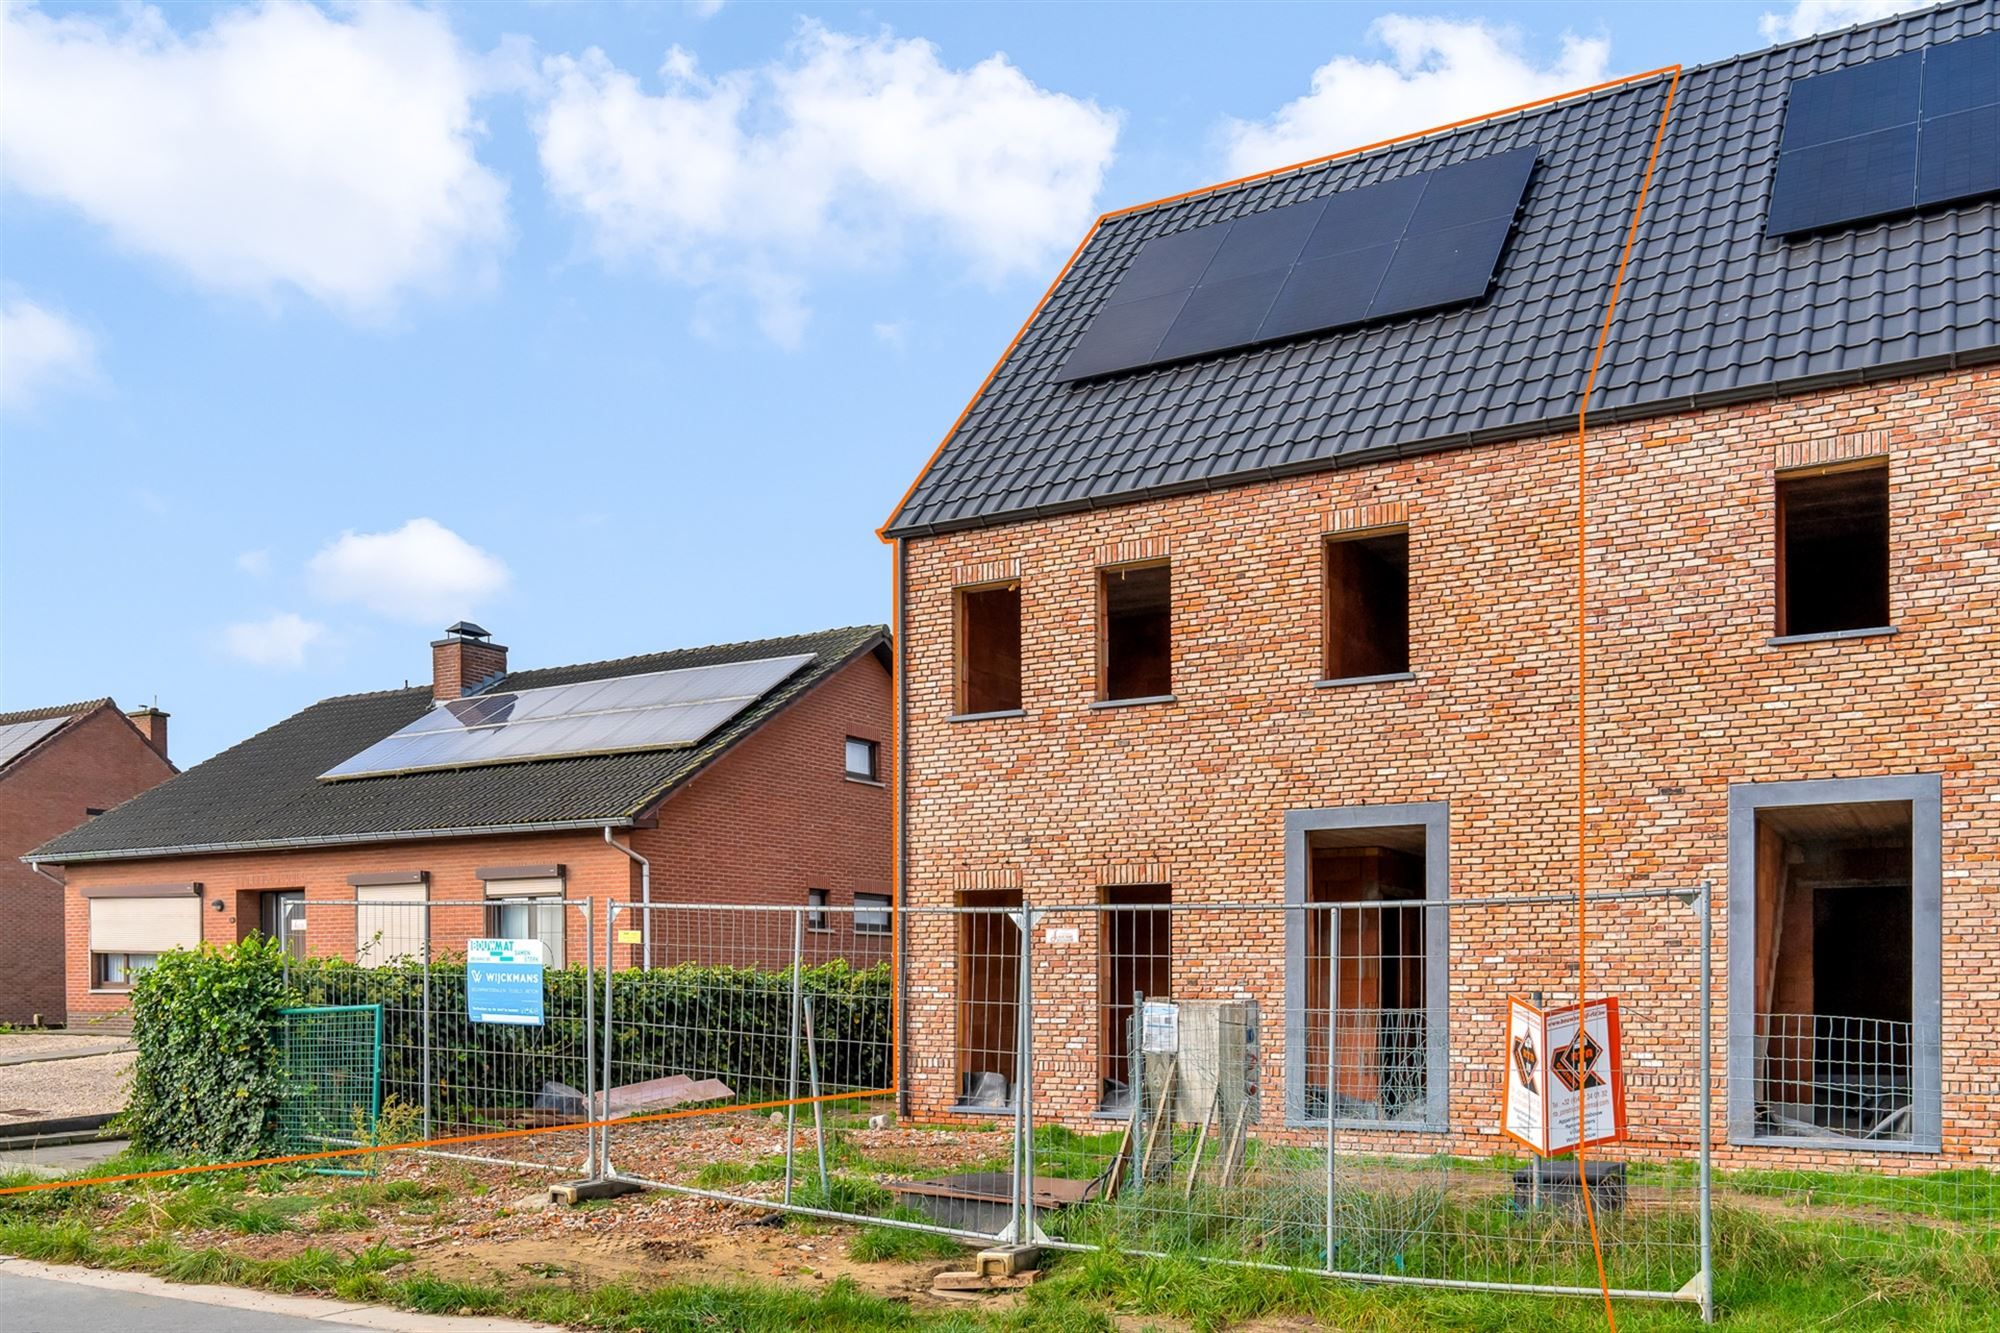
[[1007, 1260], [573, 1192], [956, 1284]]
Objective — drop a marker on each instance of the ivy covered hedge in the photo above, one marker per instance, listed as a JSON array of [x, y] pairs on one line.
[[206, 1082], [207, 1025]]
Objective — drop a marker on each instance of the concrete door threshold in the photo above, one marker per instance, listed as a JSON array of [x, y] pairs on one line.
[[343, 1313]]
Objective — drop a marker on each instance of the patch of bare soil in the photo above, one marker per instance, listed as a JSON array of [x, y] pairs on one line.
[[746, 1253], [489, 1222]]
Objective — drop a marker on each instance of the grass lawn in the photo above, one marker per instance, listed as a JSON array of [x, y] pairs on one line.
[[369, 1239]]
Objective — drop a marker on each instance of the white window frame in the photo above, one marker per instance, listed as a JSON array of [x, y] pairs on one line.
[[865, 909], [874, 752]]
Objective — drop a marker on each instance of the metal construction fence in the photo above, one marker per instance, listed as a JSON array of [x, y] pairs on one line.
[[1315, 1087], [445, 1074]]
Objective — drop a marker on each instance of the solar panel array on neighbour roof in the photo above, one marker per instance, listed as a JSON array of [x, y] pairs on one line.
[[1416, 243], [16, 737], [660, 710]]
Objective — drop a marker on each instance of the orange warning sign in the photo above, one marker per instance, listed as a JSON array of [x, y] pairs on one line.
[[1565, 1081]]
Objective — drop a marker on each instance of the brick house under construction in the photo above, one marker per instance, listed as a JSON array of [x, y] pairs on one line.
[[1250, 576], [372, 826]]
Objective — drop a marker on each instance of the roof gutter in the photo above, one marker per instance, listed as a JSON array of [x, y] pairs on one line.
[[329, 840], [645, 900]]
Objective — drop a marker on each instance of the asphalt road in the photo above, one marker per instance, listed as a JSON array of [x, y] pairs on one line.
[[34, 1305]]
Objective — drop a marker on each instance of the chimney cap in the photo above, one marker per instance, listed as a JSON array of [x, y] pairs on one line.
[[150, 710], [465, 629]]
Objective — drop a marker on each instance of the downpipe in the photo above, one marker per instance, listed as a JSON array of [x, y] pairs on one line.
[[645, 902]]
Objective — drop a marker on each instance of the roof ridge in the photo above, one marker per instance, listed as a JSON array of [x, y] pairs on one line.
[[1831, 33], [699, 648], [1616, 84], [54, 710], [371, 694]]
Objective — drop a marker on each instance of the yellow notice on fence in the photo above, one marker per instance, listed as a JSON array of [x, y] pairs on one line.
[[629, 937]]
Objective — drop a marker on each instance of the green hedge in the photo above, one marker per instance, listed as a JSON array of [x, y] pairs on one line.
[[207, 1025], [206, 1081]]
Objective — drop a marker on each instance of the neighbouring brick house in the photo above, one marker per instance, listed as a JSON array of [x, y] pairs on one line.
[[1250, 577], [59, 767], [740, 773]]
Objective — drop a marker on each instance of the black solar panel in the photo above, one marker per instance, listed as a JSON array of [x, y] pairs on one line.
[[1848, 180], [1857, 100], [1490, 187], [1169, 264], [1264, 241], [1356, 219], [1961, 75], [1125, 335], [1888, 137], [1441, 267], [1959, 156], [1411, 244], [1327, 293]]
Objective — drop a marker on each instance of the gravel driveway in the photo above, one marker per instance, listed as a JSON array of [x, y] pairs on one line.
[[35, 1045], [50, 1089]]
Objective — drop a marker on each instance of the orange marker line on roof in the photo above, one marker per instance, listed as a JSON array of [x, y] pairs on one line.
[[1583, 655], [485, 1136], [882, 532]]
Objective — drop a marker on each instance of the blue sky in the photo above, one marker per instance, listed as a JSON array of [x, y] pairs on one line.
[[614, 327]]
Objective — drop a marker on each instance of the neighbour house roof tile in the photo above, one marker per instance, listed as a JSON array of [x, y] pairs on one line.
[[22, 741], [1712, 308], [266, 792]]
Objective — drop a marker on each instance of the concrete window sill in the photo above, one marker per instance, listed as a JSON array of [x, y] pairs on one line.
[[865, 782], [1387, 679], [989, 1112], [1829, 636], [1136, 703], [1837, 1144], [988, 717]]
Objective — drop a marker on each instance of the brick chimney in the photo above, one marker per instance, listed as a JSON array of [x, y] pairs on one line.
[[463, 660], [152, 724]]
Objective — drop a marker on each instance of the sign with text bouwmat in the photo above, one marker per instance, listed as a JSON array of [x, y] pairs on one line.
[[503, 981]]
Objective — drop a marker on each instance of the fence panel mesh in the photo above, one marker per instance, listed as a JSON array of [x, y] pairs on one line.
[[331, 1064], [751, 1059], [445, 1071], [1318, 1086]]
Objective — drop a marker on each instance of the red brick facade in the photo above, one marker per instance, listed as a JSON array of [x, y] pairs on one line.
[[771, 818], [1688, 695], [92, 764]]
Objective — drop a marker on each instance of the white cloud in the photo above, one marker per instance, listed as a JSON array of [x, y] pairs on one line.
[[40, 350], [842, 153], [278, 147], [257, 563], [422, 572], [891, 331], [1810, 16], [705, 9], [276, 641], [1439, 70]]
